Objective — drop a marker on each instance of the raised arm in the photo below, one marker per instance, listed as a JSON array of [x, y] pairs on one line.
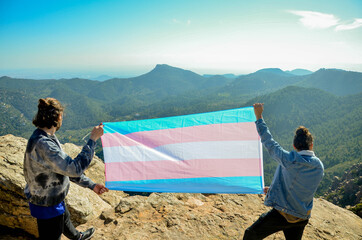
[[273, 147]]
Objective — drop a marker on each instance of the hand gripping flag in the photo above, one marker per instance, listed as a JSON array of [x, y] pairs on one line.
[[215, 152]]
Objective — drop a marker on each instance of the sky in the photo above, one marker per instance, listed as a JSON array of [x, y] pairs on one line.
[[87, 38]]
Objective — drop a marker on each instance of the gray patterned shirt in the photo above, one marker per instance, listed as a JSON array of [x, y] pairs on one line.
[[48, 169]]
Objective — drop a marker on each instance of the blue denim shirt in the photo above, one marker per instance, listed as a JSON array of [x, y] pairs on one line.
[[296, 178]]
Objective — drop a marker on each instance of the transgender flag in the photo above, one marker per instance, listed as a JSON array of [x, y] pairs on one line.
[[215, 152]]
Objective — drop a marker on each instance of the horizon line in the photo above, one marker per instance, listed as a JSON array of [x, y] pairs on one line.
[[83, 74]]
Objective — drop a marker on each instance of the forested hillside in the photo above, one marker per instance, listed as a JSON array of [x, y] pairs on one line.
[[327, 101], [336, 81]]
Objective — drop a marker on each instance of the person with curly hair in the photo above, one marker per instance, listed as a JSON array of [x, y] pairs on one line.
[[48, 170]]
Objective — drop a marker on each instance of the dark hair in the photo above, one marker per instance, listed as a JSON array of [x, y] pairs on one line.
[[303, 139], [49, 110]]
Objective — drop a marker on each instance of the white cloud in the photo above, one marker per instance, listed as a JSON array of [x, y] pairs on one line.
[[316, 20], [356, 24]]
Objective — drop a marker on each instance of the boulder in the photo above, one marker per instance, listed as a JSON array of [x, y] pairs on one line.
[[14, 209]]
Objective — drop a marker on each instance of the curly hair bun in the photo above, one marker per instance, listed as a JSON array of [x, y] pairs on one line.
[[303, 139], [42, 102], [48, 113], [302, 131]]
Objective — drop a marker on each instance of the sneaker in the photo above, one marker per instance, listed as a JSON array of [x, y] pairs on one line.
[[87, 234]]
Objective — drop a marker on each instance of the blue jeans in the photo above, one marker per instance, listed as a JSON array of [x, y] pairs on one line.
[[272, 222], [53, 228]]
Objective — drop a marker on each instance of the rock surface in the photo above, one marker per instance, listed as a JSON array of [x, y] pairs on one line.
[[219, 216], [347, 190], [117, 215]]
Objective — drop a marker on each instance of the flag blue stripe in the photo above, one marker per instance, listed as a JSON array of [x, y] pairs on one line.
[[250, 184], [227, 116]]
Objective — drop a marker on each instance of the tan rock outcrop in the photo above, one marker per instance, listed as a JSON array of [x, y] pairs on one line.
[[220, 216], [14, 209]]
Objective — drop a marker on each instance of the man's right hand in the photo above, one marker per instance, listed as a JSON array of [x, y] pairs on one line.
[[97, 132], [258, 110]]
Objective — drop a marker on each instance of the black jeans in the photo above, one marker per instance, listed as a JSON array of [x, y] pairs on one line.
[[53, 228], [272, 222]]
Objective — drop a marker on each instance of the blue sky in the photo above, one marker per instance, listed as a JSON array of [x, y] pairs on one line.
[[119, 38]]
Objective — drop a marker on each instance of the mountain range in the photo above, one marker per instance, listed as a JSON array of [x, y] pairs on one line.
[[118, 97], [327, 101]]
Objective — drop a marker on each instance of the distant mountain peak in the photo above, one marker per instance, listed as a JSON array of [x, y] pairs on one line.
[[164, 66], [275, 71], [299, 72], [167, 69], [271, 70], [331, 69]]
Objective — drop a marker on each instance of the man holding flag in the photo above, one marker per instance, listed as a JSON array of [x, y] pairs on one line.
[[295, 182]]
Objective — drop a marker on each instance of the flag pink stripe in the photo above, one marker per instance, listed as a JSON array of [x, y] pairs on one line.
[[129, 171], [212, 132]]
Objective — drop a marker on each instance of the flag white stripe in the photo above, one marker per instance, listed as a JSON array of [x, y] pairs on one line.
[[184, 151]]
